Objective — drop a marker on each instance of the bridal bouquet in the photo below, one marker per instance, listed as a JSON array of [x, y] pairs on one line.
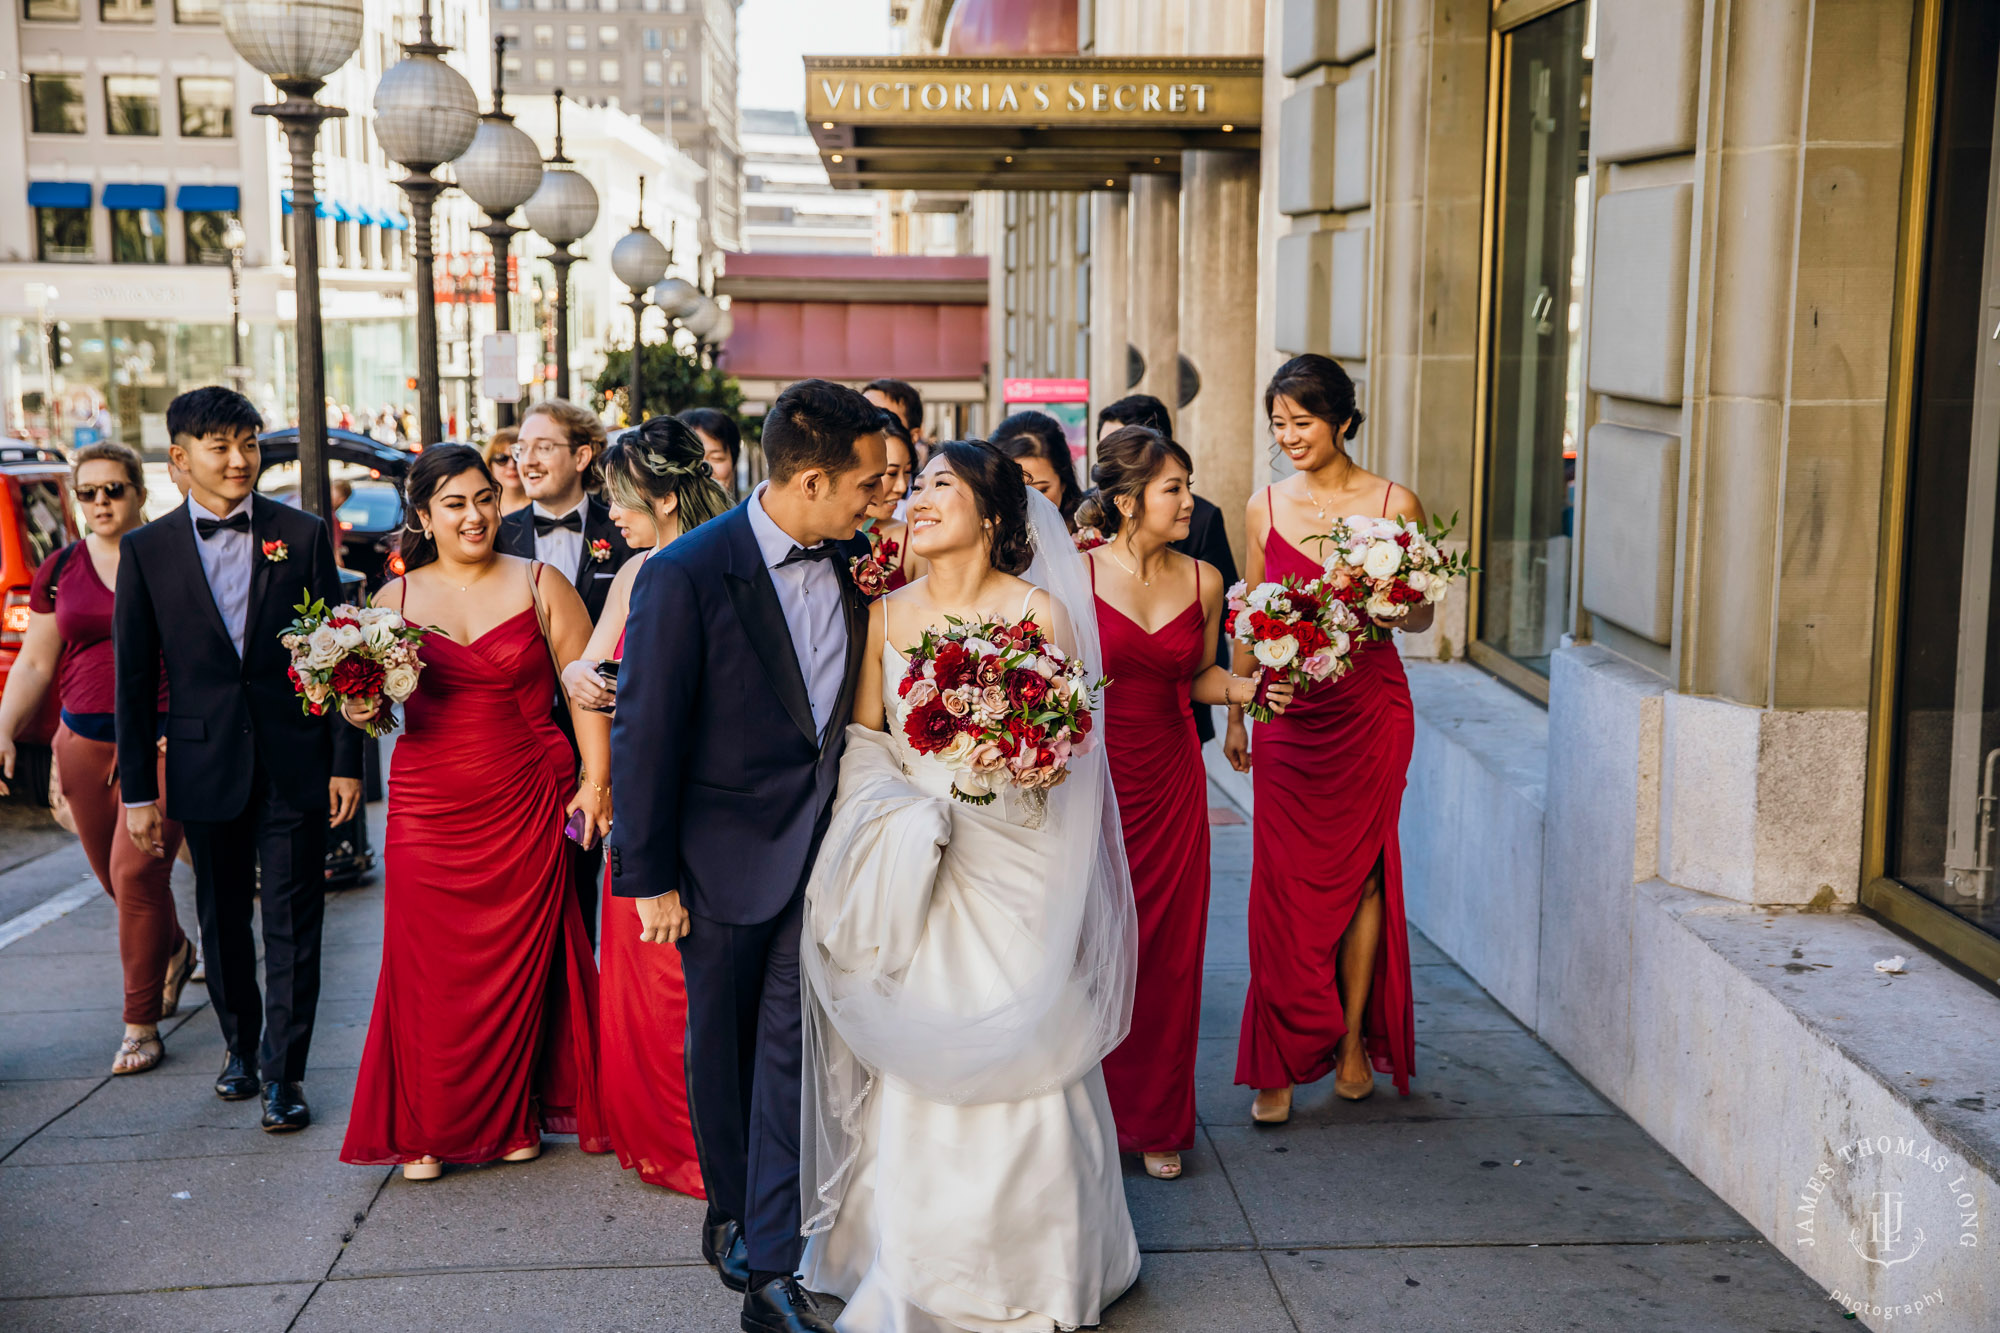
[[352, 652], [1381, 567], [1298, 630], [997, 703]]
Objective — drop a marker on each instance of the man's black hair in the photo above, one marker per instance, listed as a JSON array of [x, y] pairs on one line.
[[1139, 409], [909, 403], [211, 410], [814, 424]]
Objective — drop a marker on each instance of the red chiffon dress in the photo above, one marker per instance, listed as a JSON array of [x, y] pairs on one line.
[[642, 1048], [1329, 775], [1162, 789], [482, 1034]]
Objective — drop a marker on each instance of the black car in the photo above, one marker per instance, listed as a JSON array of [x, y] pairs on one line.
[[373, 513]]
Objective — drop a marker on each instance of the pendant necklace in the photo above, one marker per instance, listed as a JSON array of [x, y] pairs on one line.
[[1318, 508], [1146, 582]]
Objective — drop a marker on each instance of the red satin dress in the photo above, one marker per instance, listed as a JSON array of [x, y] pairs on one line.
[[1162, 790], [642, 1048], [482, 1035], [1329, 775]]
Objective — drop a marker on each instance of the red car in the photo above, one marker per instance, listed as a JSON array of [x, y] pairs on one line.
[[37, 516]]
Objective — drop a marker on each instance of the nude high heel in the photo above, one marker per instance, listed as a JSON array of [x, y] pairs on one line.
[[1356, 1091], [1272, 1106], [527, 1154], [428, 1169]]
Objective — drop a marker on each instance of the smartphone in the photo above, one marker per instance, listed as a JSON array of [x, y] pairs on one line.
[[577, 827], [608, 669]]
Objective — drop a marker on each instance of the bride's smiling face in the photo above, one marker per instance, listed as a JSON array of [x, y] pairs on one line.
[[464, 516], [943, 514]]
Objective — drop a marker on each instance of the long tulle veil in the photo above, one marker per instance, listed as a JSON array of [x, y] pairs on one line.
[[1067, 1010]]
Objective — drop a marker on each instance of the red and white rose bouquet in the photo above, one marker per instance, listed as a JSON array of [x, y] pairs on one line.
[[1382, 567], [1296, 629], [997, 703], [364, 653]]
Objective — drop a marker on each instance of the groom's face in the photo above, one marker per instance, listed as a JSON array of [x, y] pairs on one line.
[[839, 501]]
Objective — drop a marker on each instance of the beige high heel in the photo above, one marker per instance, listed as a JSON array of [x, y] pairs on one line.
[[428, 1169], [527, 1154], [1357, 1091], [1272, 1106], [1163, 1165]]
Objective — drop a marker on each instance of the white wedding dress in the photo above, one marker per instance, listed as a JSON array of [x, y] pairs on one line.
[[990, 1199]]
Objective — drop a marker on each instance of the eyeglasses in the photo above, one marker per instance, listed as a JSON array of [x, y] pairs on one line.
[[544, 451], [110, 490]]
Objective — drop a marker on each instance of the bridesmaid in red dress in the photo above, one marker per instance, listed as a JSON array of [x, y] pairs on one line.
[[1158, 613], [1329, 950], [888, 537], [658, 486], [482, 1035]]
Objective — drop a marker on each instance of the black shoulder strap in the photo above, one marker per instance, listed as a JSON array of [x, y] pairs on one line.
[[62, 563]]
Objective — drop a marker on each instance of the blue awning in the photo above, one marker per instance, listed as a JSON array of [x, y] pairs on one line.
[[337, 211], [135, 196], [322, 206], [395, 222], [208, 199], [59, 194]]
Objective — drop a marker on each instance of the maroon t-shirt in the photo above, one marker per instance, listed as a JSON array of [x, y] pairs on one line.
[[86, 675]]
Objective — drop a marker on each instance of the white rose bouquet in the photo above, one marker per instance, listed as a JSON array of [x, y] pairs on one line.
[[364, 653], [1381, 567]]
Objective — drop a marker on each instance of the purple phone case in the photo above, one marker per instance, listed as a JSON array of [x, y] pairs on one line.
[[573, 827]]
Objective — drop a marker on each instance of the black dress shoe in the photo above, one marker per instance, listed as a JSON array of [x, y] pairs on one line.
[[235, 1083], [285, 1108], [782, 1305], [723, 1246]]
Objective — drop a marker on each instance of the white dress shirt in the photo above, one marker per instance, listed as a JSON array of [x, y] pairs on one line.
[[560, 548], [226, 561], [809, 593]]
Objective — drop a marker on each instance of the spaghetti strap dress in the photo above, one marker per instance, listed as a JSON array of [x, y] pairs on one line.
[[1328, 775]]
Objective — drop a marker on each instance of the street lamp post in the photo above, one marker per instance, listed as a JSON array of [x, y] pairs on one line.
[[425, 116], [297, 46], [562, 211], [639, 261], [233, 240], [500, 172]]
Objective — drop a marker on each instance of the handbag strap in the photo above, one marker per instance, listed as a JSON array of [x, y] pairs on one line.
[[535, 568]]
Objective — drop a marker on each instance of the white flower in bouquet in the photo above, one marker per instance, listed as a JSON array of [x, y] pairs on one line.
[[1381, 607], [349, 637], [960, 749], [399, 683], [1276, 653], [1384, 558], [323, 648], [381, 615], [378, 634], [316, 691]]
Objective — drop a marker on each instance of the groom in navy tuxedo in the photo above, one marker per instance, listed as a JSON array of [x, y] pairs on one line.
[[742, 650]]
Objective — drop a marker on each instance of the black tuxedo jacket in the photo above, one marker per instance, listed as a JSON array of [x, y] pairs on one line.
[[226, 714], [592, 577], [1208, 539], [724, 787]]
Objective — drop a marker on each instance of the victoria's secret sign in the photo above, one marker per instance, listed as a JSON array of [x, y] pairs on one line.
[[1222, 93]]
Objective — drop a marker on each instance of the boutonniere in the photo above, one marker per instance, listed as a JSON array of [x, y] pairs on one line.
[[871, 579], [276, 552], [600, 550]]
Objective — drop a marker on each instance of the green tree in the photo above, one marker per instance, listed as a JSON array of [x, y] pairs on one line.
[[672, 381]]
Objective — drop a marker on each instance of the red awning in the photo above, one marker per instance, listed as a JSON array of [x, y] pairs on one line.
[[855, 317]]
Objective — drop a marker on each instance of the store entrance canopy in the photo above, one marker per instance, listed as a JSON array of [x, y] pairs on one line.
[[1032, 123]]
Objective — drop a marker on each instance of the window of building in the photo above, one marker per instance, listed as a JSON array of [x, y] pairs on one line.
[[677, 6], [680, 104], [545, 71], [511, 63], [652, 73], [52, 11], [197, 11], [138, 236], [204, 237], [608, 6], [545, 35], [607, 71], [125, 11], [579, 70], [677, 38], [55, 103], [132, 103], [607, 34], [62, 236], [577, 4], [649, 38], [677, 75], [650, 6], [1534, 403], [512, 32], [509, 4], [577, 38], [208, 107]]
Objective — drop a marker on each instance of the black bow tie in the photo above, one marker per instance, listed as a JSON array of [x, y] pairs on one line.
[[801, 554], [573, 520], [208, 527]]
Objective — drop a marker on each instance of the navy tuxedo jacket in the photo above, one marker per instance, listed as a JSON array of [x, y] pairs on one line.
[[724, 786], [226, 714]]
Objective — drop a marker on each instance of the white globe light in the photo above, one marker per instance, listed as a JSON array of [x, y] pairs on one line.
[[293, 40], [564, 208], [502, 169], [702, 319], [425, 112], [677, 296], [725, 324], [639, 259]]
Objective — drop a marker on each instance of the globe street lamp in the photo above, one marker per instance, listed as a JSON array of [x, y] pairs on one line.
[[562, 210], [233, 241], [425, 116], [639, 260], [296, 44], [500, 172]]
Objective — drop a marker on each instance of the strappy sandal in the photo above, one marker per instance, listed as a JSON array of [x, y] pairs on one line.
[[1163, 1165], [180, 971], [135, 1047]]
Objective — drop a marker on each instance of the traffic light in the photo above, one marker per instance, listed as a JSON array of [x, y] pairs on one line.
[[60, 352]]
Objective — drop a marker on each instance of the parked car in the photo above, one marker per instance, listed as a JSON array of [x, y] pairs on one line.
[[373, 513], [36, 518]]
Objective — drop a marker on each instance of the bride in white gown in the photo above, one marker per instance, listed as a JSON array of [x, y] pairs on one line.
[[965, 969]]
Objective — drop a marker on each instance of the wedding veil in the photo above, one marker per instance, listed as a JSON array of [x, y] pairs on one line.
[[1066, 998]]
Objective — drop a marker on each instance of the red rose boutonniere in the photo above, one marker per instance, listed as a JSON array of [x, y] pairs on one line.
[[276, 552], [600, 550]]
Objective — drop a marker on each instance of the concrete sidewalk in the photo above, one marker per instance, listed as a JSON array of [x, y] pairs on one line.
[[1502, 1195]]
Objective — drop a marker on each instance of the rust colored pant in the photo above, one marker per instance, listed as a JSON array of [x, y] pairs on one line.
[[149, 929]]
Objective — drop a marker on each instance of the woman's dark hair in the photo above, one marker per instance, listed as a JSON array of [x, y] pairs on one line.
[[1127, 461], [434, 467], [1321, 387], [661, 458], [1039, 435], [814, 424], [1000, 493], [720, 427]]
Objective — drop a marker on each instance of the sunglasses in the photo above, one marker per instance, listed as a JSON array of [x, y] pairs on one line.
[[110, 490]]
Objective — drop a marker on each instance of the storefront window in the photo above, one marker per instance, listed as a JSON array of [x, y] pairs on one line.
[[52, 11], [132, 103], [55, 103], [62, 235], [138, 236], [1945, 774], [204, 238], [207, 108], [1533, 399]]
